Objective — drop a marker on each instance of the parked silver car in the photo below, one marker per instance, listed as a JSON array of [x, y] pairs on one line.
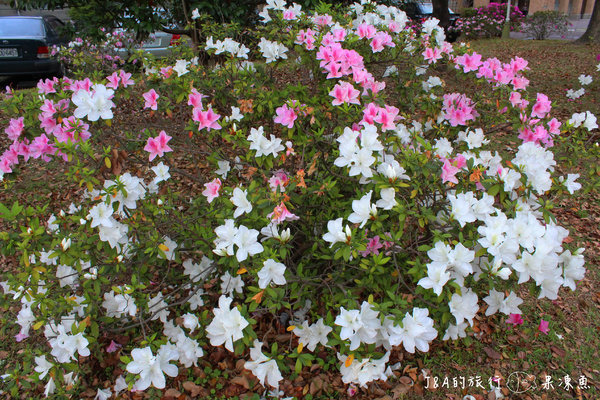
[[159, 44]]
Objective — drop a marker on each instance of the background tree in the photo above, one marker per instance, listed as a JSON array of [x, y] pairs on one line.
[[440, 11], [592, 34], [146, 16]]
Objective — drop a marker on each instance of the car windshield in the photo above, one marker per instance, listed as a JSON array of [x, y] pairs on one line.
[[19, 27]]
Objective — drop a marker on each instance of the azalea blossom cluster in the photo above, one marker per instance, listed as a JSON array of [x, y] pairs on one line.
[[58, 120], [584, 80], [459, 225]]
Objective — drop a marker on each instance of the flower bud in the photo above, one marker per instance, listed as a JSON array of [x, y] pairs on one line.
[[65, 244]]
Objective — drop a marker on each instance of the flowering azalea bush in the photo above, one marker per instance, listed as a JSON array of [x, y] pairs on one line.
[[487, 22], [345, 201], [94, 60], [543, 23]]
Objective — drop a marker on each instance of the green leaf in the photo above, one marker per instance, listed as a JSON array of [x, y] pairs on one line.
[[493, 191]]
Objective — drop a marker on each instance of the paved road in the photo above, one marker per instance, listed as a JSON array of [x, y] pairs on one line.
[[577, 28]]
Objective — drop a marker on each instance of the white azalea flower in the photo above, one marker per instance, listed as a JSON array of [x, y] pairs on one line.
[[151, 368], [246, 240], [388, 199], [585, 79], [42, 366], [271, 271], [264, 368], [162, 172], [311, 336], [241, 202], [436, 278], [464, 307], [227, 326], [181, 67], [95, 104], [230, 284], [362, 210]]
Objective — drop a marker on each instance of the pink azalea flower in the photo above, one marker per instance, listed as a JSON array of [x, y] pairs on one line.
[[448, 172], [373, 246], [370, 112], [42, 147], [503, 77], [468, 62], [281, 213], [372, 85], [15, 128], [541, 107], [24, 150], [12, 154], [328, 39], [212, 189], [125, 78], [447, 48], [113, 346], [515, 319], [62, 135], [49, 124], [306, 38], [352, 390], [19, 337], [334, 70], [394, 27], [279, 180], [544, 327], [48, 108], [151, 98], [380, 41], [323, 20], [520, 82], [285, 116], [366, 31], [6, 164], [113, 80], [515, 98], [432, 55], [386, 117], [361, 75], [46, 87], [206, 119], [458, 109], [166, 71], [158, 146], [344, 93], [339, 35], [195, 99], [85, 84], [75, 127], [554, 126], [518, 64], [459, 161], [289, 15]]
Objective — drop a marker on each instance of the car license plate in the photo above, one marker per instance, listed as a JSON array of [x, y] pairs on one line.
[[8, 52]]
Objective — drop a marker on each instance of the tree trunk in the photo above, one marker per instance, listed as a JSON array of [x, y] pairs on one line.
[[592, 34], [440, 11]]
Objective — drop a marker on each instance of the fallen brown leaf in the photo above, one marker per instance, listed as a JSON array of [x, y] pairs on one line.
[[491, 353]]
